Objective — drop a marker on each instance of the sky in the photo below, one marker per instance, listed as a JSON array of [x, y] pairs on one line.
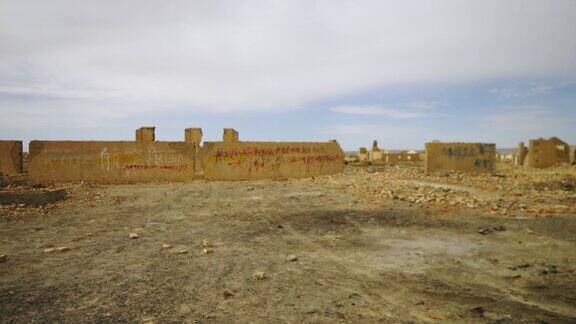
[[401, 72]]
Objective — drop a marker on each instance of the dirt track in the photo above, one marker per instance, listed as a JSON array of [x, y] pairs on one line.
[[358, 260]]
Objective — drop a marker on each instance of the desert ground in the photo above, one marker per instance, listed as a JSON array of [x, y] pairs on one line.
[[374, 244]]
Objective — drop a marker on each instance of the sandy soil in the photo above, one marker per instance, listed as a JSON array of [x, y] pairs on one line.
[[327, 253]]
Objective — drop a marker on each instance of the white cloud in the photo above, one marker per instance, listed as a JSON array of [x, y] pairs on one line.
[[374, 110], [525, 118], [234, 56], [518, 92]]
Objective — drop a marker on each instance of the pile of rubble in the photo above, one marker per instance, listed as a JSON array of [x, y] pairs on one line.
[[539, 192], [19, 196]]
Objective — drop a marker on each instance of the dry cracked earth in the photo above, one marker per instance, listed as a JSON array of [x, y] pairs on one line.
[[364, 246]]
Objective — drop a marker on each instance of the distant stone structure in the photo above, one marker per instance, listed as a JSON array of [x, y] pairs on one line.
[[363, 155], [521, 154], [146, 159], [378, 156], [230, 135], [11, 157], [542, 153], [375, 154], [463, 157]]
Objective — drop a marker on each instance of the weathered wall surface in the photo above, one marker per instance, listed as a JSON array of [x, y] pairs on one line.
[[544, 153], [521, 154], [464, 157], [111, 162], [11, 157], [270, 160], [363, 154]]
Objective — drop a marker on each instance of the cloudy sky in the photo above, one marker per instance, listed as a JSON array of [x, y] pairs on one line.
[[403, 72]]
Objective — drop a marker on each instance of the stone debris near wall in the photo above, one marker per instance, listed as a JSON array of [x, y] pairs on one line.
[[11, 162], [537, 192], [462, 157], [146, 159]]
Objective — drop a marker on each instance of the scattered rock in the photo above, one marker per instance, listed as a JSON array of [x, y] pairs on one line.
[[434, 314], [520, 266], [549, 269], [226, 294], [499, 228], [3, 257], [206, 244], [477, 311], [291, 258], [259, 275], [166, 246], [311, 311], [529, 231], [181, 251], [133, 236], [487, 230], [57, 249], [207, 251]]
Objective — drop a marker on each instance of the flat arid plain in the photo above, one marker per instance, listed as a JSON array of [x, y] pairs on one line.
[[390, 244]]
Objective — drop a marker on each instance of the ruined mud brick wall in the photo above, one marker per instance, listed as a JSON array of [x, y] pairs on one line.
[[111, 162], [403, 157], [544, 153], [363, 154], [463, 157], [11, 157], [270, 160], [521, 154], [376, 157]]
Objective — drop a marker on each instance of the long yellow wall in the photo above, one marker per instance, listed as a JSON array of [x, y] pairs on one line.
[[270, 160], [111, 162]]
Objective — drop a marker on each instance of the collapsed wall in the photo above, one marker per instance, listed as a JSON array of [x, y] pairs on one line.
[[271, 160], [463, 157], [11, 157], [544, 153]]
